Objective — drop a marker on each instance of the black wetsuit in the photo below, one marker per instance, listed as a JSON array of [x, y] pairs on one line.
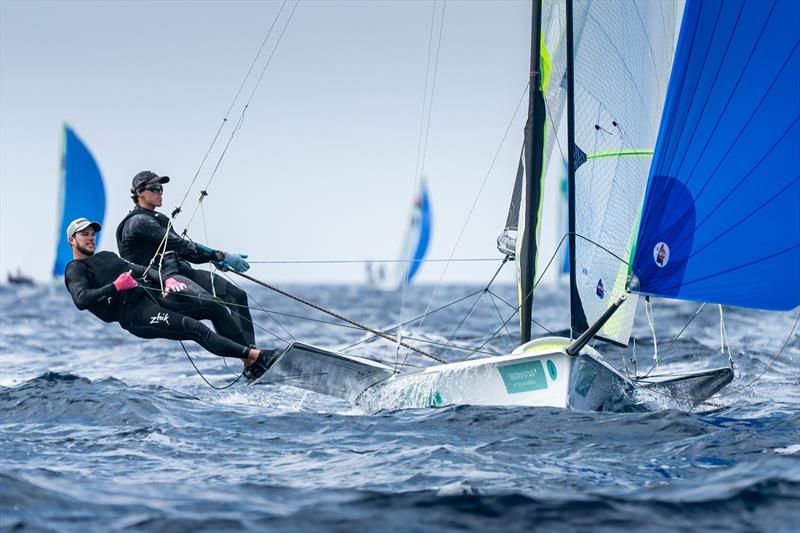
[[139, 235], [143, 311]]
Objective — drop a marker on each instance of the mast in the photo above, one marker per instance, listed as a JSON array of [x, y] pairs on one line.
[[577, 316], [533, 154]]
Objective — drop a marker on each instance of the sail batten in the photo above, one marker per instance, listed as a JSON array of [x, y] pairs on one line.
[[720, 221]]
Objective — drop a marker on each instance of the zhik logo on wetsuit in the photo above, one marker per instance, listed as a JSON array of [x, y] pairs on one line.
[[160, 318]]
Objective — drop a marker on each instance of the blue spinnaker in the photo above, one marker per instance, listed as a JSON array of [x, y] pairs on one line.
[[82, 194], [424, 221], [721, 216]]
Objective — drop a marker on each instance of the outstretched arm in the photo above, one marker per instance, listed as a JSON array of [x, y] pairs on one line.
[[148, 228]]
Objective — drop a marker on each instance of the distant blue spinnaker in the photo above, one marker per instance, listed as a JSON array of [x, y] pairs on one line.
[[420, 230], [721, 216], [82, 194]]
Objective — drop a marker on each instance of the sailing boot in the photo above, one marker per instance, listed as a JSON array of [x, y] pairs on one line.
[[266, 358]]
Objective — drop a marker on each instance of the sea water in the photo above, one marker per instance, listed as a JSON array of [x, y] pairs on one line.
[[104, 431]]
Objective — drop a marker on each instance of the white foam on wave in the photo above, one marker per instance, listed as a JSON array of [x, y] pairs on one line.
[[793, 449]]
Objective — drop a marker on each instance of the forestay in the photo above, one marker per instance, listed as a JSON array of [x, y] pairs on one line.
[[721, 221]]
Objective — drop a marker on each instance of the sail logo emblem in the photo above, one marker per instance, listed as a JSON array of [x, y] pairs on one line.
[[600, 290], [661, 254]]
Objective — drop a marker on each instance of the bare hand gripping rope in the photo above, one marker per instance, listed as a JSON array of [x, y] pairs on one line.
[[340, 317]]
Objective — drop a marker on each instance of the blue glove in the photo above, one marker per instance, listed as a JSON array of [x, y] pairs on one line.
[[222, 265], [237, 262]]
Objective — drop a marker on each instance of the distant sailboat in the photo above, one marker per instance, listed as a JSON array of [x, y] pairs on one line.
[[415, 246], [18, 278], [81, 194]]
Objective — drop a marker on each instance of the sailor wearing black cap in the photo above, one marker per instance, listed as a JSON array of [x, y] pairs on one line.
[[140, 239], [107, 286]]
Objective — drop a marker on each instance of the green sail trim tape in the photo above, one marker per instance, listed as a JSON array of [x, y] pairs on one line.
[[632, 152]]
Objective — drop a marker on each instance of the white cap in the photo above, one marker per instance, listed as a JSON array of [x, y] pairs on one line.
[[79, 224]]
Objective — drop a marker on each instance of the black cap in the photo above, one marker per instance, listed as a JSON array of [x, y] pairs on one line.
[[146, 177]]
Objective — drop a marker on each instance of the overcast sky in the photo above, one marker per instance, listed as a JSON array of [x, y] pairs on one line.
[[324, 165]]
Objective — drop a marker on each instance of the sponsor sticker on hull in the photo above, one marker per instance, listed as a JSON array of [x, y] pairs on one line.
[[523, 377]]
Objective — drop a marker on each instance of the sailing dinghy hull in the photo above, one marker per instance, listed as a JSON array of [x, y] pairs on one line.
[[538, 374]]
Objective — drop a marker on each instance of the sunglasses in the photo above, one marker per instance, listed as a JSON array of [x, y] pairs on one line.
[[155, 188]]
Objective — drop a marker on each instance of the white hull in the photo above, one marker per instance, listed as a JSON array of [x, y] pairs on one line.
[[538, 373]]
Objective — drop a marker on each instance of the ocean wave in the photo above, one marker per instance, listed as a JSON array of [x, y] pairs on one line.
[[55, 398]]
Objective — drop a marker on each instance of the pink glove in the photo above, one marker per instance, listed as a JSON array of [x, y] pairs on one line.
[[173, 285], [125, 281]]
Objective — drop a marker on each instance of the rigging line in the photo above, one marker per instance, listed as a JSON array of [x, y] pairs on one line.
[[475, 202], [419, 167], [463, 321], [675, 339], [769, 366], [204, 193], [495, 295], [274, 49], [229, 306], [261, 307], [723, 339], [246, 106], [233, 102], [344, 261], [472, 309], [480, 347], [419, 150], [746, 385], [529, 295], [154, 300], [648, 311], [512, 306], [425, 91], [587, 239], [555, 130], [439, 343], [459, 300], [500, 316], [550, 332], [433, 89], [311, 319], [211, 273], [335, 314], [199, 373]]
